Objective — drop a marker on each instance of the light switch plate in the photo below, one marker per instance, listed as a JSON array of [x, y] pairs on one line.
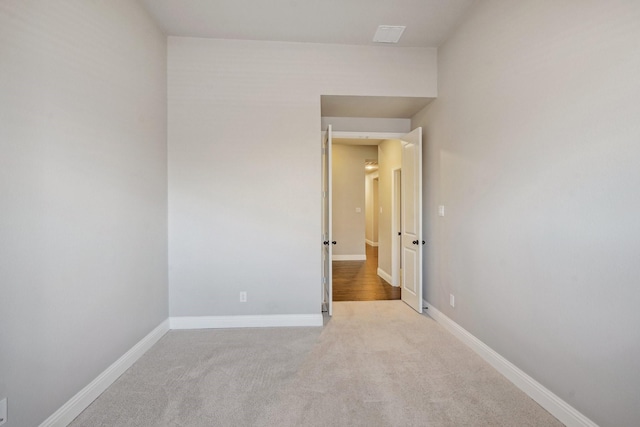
[[441, 210]]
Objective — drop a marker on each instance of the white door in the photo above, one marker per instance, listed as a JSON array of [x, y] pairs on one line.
[[411, 211], [327, 242]]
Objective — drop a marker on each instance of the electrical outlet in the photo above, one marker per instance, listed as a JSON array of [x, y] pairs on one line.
[[3, 411], [452, 300], [243, 296]]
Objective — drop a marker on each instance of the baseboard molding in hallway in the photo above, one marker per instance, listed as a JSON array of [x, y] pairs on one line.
[[359, 257], [386, 276]]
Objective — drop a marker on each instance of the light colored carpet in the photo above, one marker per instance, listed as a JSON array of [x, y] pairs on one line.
[[375, 363]]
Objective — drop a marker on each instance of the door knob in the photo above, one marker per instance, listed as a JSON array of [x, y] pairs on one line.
[[423, 242], [415, 242], [326, 243], [334, 242]]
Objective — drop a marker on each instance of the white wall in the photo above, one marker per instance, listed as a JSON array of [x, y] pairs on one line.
[[83, 240], [244, 169], [532, 145], [348, 191], [389, 158]]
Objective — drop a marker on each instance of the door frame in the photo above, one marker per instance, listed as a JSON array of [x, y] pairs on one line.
[[396, 227], [367, 138], [330, 134], [326, 240]]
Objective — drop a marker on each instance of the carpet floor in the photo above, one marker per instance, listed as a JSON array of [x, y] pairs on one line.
[[374, 363]]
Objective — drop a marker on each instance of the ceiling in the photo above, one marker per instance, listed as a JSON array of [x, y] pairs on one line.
[[351, 22]]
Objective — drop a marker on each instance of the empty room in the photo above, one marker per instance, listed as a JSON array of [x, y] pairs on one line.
[[167, 217]]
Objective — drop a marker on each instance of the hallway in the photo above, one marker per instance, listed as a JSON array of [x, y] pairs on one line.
[[359, 280]]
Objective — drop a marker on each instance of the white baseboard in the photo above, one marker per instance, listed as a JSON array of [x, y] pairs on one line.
[[371, 243], [349, 257], [81, 401], [272, 320], [386, 276], [560, 409]]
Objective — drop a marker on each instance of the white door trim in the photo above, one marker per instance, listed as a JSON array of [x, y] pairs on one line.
[[395, 226], [327, 213], [366, 135]]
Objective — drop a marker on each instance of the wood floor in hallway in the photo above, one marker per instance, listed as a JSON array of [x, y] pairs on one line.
[[359, 280]]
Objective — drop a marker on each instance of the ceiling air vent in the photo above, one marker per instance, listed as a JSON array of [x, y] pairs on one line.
[[388, 33]]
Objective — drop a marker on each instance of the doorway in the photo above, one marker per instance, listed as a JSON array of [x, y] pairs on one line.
[[399, 211]]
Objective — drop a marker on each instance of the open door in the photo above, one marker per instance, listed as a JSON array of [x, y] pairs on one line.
[[411, 195], [327, 242]]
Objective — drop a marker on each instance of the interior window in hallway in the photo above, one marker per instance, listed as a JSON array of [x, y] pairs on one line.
[[359, 281]]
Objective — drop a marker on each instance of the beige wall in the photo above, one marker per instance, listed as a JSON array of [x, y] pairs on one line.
[[389, 158], [533, 146], [245, 160], [83, 190], [348, 163]]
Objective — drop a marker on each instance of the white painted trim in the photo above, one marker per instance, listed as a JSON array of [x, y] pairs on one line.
[[396, 241], [386, 276], [263, 321], [560, 409], [371, 243], [81, 401], [366, 135], [349, 257]]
